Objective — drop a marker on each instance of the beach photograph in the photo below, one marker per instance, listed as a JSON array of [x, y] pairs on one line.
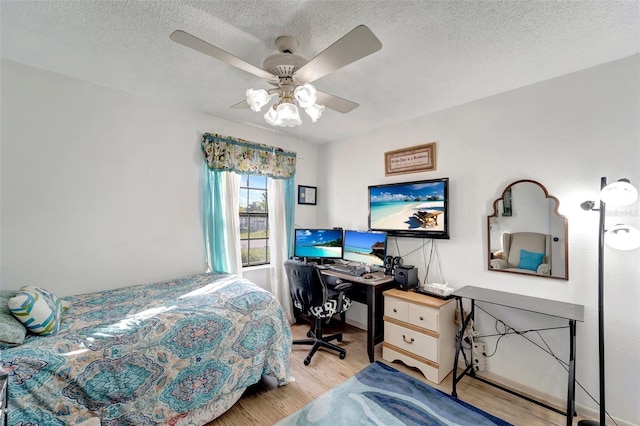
[[365, 247], [411, 206], [318, 243]]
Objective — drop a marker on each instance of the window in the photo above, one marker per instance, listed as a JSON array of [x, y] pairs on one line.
[[254, 220]]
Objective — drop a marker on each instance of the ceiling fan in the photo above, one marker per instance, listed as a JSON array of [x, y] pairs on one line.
[[292, 74]]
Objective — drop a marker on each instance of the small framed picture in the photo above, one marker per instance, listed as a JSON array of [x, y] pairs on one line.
[[307, 194]]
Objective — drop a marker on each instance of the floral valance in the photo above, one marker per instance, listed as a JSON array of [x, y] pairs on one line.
[[241, 156]]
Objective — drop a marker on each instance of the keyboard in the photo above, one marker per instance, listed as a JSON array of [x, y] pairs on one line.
[[355, 271]]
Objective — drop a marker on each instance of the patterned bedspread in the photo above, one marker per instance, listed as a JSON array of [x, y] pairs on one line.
[[176, 352]]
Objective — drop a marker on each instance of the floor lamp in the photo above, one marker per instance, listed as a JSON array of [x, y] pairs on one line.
[[621, 237]]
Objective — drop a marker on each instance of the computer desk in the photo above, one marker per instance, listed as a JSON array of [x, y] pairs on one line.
[[554, 308], [372, 297]]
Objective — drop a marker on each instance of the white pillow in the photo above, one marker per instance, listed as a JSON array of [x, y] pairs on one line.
[[38, 309]]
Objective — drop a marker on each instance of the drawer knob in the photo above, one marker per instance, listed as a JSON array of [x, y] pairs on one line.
[[395, 310], [421, 318], [407, 341]]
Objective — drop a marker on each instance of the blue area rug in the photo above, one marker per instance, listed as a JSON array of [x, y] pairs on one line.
[[381, 395]]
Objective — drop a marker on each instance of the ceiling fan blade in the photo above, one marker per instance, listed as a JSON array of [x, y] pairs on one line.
[[202, 46], [241, 105], [336, 103], [354, 45]]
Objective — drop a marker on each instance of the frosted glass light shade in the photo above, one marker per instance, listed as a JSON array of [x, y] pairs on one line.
[[257, 98], [622, 237], [288, 115], [620, 193], [314, 111], [271, 117], [305, 95]]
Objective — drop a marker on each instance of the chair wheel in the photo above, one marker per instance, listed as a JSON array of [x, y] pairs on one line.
[[342, 355], [309, 333], [339, 339], [307, 361]]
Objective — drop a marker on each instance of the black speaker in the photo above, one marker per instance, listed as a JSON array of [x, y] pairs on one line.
[[406, 277], [388, 265], [397, 261]]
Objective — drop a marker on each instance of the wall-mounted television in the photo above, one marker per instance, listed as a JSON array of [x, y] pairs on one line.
[[411, 209], [368, 248], [318, 243]]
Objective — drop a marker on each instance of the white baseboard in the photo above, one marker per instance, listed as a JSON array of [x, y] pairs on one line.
[[541, 396], [356, 324]]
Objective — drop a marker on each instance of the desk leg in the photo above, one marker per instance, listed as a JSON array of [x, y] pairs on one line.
[[571, 393], [371, 322], [459, 340], [459, 337]]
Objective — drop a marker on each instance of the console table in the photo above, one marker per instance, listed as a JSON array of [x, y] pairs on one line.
[[369, 292], [561, 310]]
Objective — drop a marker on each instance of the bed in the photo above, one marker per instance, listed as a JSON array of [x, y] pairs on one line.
[[175, 352]]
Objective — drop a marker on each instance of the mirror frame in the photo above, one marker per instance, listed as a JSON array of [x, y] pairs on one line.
[[495, 214]]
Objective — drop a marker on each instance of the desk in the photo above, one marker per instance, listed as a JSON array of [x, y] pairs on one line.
[[372, 289], [562, 310]]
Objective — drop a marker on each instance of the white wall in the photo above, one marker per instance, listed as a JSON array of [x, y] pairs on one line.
[[101, 189], [565, 133]]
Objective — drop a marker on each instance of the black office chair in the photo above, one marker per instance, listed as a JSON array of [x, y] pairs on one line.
[[311, 295]]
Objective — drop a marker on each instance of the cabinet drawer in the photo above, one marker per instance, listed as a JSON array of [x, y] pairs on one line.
[[411, 341], [423, 316], [395, 308], [431, 372]]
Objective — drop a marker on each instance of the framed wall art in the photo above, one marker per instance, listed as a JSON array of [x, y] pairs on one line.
[[420, 158], [307, 194]]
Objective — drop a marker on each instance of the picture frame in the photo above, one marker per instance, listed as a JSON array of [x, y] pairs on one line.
[[415, 159], [307, 194]]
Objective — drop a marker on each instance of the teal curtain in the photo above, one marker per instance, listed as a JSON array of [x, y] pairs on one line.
[[215, 231], [290, 209], [224, 154]]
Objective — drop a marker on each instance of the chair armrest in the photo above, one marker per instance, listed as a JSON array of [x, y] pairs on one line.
[[499, 264], [544, 269], [342, 286]]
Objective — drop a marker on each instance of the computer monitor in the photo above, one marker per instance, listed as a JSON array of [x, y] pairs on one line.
[[318, 243], [369, 248]]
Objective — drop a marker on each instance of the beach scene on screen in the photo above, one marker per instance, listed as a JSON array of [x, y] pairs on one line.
[[417, 207], [318, 243], [365, 247]]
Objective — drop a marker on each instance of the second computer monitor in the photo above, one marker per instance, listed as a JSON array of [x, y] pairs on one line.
[[365, 247]]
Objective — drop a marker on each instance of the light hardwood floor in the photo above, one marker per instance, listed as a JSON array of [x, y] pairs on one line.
[[266, 405]]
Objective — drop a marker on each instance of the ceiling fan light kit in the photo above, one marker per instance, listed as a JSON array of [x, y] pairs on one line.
[[257, 99], [292, 74], [285, 112]]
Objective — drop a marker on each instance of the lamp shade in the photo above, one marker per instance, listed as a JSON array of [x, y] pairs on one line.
[[305, 95], [620, 193], [287, 115], [314, 111], [623, 237], [271, 116], [257, 98]]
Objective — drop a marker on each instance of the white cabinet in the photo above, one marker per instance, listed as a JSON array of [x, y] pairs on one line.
[[419, 330]]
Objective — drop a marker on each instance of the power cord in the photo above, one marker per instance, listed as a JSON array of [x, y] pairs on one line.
[[510, 330], [433, 254]]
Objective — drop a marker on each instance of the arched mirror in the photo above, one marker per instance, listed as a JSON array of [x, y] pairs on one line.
[[526, 234]]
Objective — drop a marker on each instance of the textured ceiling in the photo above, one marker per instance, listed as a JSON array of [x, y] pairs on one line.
[[435, 54]]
